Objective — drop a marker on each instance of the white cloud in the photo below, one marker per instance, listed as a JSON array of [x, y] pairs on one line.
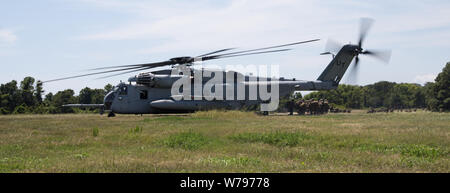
[[7, 36], [235, 24], [424, 78], [191, 27], [200, 24]]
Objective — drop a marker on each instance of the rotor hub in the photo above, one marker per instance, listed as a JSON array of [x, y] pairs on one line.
[[182, 60], [359, 50]]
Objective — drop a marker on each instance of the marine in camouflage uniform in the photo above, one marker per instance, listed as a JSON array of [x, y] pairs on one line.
[[320, 105], [313, 107], [301, 107], [325, 106], [290, 106]]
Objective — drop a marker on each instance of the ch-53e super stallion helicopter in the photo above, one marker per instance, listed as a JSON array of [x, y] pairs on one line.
[[152, 92]]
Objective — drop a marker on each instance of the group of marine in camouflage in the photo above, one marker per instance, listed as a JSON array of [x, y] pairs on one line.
[[391, 110], [312, 107], [321, 106]]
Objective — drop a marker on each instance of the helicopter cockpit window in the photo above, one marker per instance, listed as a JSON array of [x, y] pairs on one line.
[[123, 90], [143, 94]]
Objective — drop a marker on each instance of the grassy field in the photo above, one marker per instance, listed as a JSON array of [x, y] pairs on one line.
[[226, 142]]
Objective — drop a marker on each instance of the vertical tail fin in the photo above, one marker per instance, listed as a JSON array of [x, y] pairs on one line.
[[337, 67]]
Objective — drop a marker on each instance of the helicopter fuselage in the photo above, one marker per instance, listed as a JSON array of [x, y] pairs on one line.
[[152, 93], [161, 91]]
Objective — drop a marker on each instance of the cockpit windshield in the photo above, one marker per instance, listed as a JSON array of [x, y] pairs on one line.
[[123, 90]]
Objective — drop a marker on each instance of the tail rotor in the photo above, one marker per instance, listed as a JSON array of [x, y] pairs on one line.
[[382, 55]]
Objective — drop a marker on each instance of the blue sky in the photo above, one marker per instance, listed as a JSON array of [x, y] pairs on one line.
[[49, 39]]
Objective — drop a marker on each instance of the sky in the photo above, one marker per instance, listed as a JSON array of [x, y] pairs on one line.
[[49, 39]]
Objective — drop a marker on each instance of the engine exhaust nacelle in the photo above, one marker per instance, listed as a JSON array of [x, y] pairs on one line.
[[155, 80]]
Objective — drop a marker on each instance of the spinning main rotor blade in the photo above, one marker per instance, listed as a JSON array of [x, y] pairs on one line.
[[126, 72], [266, 48], [246, 54], [182, 60], [222, 50], [145, 68], [205, 57], [90, 74], [153, 65]]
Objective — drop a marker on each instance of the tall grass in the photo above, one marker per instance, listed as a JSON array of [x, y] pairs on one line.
[[186, 140], [222, 114], [226, 141], [136, 129], [274, 138], [95, 131]]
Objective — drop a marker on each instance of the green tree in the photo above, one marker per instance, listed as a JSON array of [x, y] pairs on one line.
[[442, 89], [355, 98], [10, 96], [27, 89], [91, 96], [97, 96], [380, 94], [298, 95], [85, 96], [430, 98], [62, 98], [20, 109], [38, 92], [48, 98], [108, 88], [377, 94]]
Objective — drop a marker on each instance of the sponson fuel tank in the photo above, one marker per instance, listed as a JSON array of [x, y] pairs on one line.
[[169, 104]]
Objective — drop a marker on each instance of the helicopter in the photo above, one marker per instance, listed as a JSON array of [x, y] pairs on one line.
[[173, 90]]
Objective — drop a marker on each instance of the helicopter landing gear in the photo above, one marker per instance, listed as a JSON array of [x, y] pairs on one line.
[[111, 114]]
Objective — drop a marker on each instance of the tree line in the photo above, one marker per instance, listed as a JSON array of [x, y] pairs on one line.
[[26, 97], [434, 96]]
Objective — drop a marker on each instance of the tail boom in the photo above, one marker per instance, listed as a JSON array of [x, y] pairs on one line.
[[339, 65]]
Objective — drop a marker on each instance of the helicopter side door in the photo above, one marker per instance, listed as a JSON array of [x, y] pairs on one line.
[[122, 100], [138, 99], [132, 99]]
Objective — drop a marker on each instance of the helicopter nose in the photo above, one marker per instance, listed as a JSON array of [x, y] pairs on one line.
[[109, 98]]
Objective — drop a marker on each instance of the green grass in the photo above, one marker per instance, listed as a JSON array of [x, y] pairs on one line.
[[226, 161], [233, 141], [95, 132], [186, 140], [276, 138], [137, 129]]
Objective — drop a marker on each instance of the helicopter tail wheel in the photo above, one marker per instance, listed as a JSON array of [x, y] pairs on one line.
[[111, 114]]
